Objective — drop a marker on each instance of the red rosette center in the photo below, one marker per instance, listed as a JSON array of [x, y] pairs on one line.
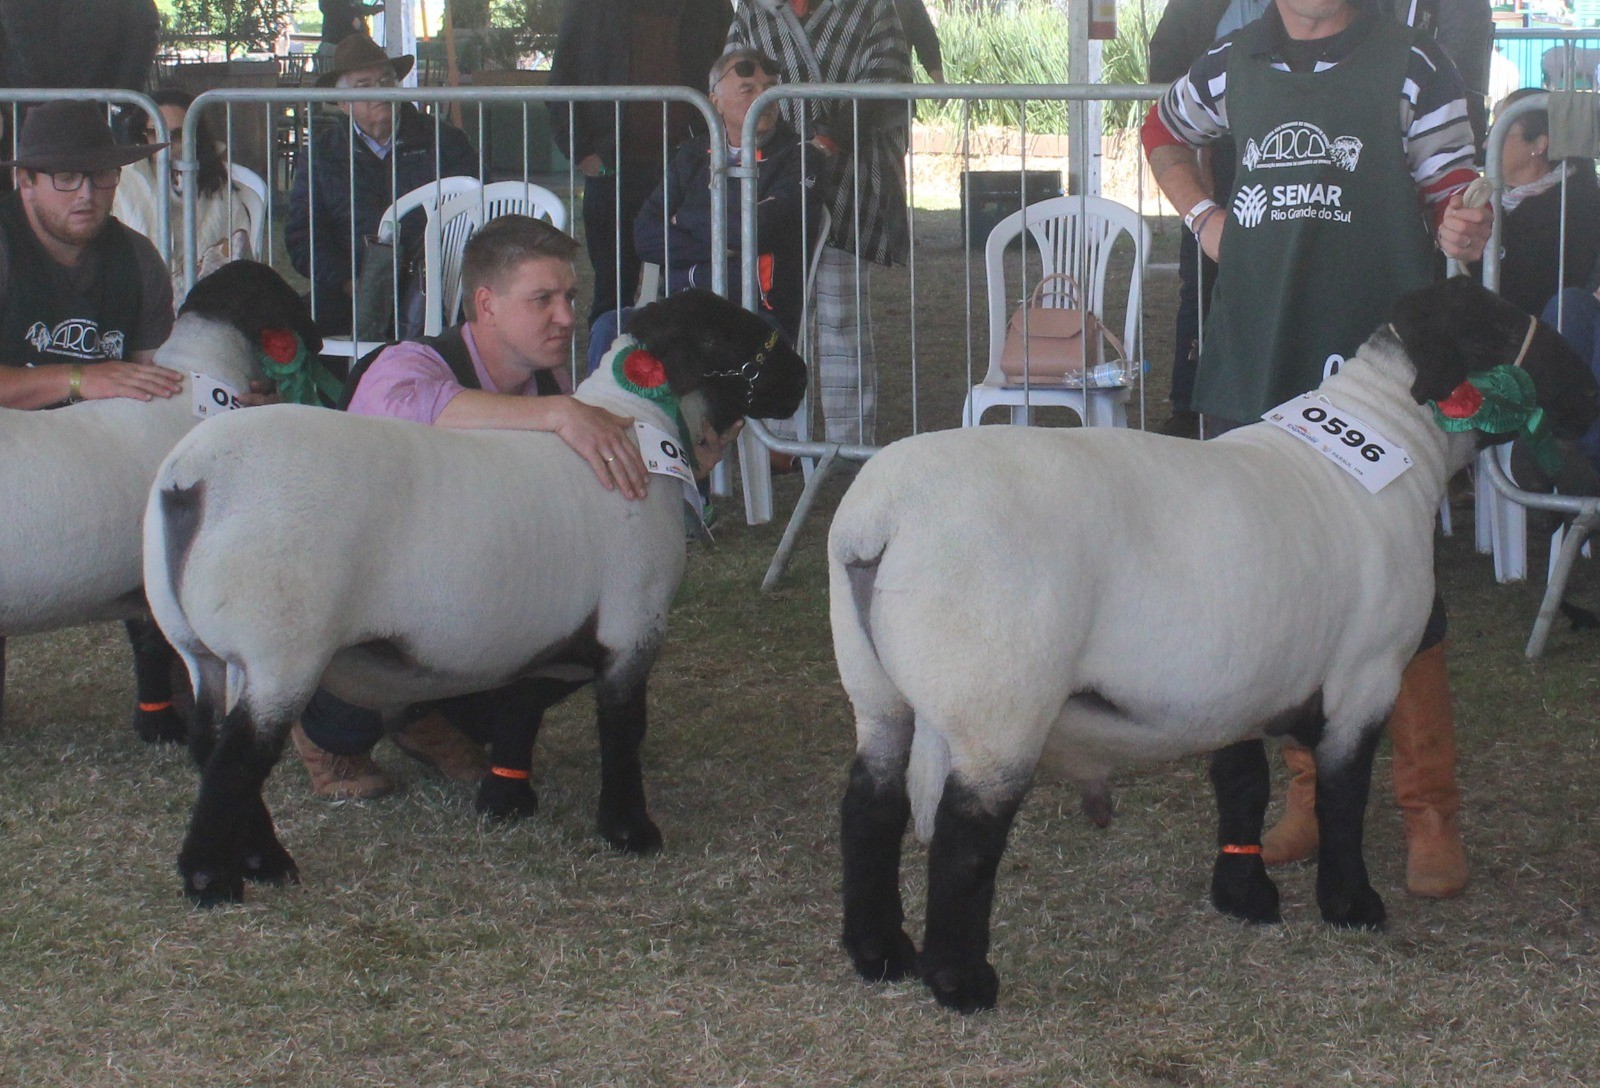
[[280, 345], [1463, 402], [644, 370]]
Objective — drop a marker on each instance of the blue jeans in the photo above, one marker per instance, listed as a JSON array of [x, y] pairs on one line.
[[1580, 328]]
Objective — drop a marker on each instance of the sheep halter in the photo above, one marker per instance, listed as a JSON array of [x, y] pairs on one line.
[[1501, 400]]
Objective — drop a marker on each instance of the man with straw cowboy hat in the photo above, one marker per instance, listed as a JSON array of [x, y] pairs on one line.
[[86, 300], [354, 172]]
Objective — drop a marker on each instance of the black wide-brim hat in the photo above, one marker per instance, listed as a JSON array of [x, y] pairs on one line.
[[72, 136], [359, 51]]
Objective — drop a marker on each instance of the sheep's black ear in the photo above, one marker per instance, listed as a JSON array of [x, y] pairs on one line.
[[251, 296]]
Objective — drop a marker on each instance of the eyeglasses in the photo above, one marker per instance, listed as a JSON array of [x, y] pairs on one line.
[[378, 84], [746, 67], [70, 181]]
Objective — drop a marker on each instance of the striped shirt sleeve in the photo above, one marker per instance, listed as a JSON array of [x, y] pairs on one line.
[[1434, 126]]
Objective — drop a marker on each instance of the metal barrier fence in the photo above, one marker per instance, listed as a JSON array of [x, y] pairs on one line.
[[829, 454], [1551, 57]]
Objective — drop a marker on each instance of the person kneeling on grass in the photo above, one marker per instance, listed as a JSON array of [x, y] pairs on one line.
[[501, 369]]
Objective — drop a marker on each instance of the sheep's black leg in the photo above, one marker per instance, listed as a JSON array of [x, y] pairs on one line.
[[623, 820], [872, 823], [231, 827], [1344, 893], [155, 719], [510, 723], [1239, 882], [969, 837]]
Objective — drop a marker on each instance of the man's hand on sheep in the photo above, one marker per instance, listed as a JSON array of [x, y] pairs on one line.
[[603, 439], [1464, 231]]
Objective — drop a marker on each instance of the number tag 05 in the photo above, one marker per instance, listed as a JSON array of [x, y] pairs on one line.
[[211, 397], [1343, 439]]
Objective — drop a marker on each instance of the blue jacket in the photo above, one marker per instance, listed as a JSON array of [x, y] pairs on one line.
[[677, 218], [331, 209]]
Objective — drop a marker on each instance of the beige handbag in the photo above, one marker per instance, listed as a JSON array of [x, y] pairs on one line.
[[1063, 339]]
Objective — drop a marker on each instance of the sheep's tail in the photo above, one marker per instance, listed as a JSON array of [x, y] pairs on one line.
[[925, 778], [861, 536], [171, 524]]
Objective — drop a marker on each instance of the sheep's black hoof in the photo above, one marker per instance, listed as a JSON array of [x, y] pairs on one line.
[[160, 726], [211, 887], [632, 837], [1241, 888], [1361, 910], [271, 864], [505, 798], [966, 988], [882, 957]]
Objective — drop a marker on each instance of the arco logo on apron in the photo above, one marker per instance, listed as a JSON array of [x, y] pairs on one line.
[[1299, 143]]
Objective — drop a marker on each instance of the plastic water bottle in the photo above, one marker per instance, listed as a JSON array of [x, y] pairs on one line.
[[1110, 375]]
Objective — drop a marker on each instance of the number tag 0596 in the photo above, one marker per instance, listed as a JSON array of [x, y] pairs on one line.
[[211, 397], [1348, 442]]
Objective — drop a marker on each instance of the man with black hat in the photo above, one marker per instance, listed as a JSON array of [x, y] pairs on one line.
[[353, 162], [86, 300]]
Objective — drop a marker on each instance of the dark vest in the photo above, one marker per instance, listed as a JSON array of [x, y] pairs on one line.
[[452, 347], [48, 320], [1325, 229]]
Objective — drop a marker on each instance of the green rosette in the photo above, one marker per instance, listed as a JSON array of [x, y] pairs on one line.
[[1506, 404], [302, 379]]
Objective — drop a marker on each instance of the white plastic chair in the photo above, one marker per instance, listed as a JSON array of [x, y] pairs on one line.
[[253, 195], [1071, 233], [459, 219], [431, 198]]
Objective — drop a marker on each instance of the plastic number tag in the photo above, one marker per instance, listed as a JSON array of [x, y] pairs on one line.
[[211, 397], [664, 456], [1342, 438]]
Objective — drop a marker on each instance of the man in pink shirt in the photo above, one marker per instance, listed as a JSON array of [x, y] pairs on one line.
[[504, 368]]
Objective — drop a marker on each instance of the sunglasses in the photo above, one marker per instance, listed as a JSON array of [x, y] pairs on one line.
[[746, 68]]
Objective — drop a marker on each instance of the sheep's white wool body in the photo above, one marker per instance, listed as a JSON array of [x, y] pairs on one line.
[[455, 558], [77, 479], [1092, 598]]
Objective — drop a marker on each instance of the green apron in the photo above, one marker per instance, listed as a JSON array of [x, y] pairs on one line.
[[1325, 229]]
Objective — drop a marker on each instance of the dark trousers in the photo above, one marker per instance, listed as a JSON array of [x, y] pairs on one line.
[[349, 730], [611, 251]]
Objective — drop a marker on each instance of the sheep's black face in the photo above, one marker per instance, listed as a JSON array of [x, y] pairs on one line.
[[731, 356], [1458, 327], [250, 296]]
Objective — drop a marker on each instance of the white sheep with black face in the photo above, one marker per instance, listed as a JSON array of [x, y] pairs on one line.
[[395, 564], [1004, 597], [76, 480]]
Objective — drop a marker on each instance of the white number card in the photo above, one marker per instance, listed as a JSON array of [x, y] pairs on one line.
[[1343, 439], [211, 397], [663, 456]]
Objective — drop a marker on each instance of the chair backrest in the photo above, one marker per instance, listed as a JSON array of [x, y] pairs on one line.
[[1071, 234], [430, 197], [461, 217], [253, 195]]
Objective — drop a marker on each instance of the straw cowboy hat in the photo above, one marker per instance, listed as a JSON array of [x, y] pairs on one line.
[[73, 136], [359, 51]]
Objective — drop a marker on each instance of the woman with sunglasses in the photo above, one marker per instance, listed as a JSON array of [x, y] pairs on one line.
[[222, 225]]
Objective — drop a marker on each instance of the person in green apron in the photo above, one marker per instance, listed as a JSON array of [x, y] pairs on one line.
[[1352, 149]]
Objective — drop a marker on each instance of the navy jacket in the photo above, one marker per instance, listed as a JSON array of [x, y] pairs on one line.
[[330, 204], [679, 213]]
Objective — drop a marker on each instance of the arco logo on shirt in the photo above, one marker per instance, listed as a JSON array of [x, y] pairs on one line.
[[76, 337], [1300, 143]]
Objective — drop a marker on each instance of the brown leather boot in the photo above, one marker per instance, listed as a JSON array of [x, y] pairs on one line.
[[1294, 836], [432, 740], [1424, 739], [340, 778]]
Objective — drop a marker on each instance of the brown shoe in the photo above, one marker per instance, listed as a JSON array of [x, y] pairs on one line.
[[434, 741], [1423, 734], [1294, 837], [340, 778]]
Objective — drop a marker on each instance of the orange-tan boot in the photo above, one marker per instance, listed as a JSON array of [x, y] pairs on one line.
[[1294, 836], [1424, 738]]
